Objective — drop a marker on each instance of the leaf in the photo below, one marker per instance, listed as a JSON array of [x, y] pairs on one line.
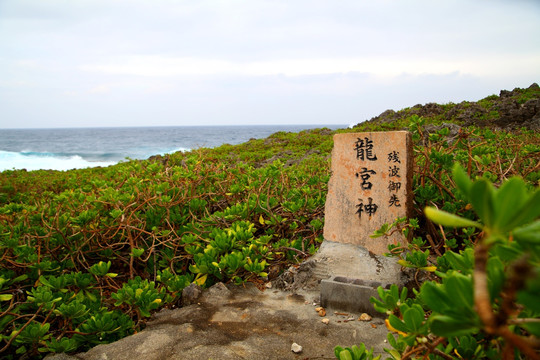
[[509, 199], [200, 280], [496, 278], [358, 351], [378, 305], [392, 340], [136, 253], [481, 196], [405, 263], [463, 262], [395, 324], [448, 326], [6, 297], [413, 318], [528, 212], [434, 297], [403, 295], [394, 290], [345, 355], [90, 296], [509, 252], [395, 354], [44, 281], [20, 278], [337, 351], [530, 295], [460, 289], [380, 291], [462, 180], [447, 219], [529, 234]]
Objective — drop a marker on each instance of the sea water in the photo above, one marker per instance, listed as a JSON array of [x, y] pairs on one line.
[[75, 148]]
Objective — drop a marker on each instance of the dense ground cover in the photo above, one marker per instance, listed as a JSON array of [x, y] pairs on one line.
[[87, 255]]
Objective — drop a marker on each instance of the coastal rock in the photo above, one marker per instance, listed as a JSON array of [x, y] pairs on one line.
[[217, 293], [191, 294], [509, 110], [453, 134], [513, 114]]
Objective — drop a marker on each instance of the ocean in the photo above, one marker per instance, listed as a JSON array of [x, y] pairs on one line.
[[76, 148]]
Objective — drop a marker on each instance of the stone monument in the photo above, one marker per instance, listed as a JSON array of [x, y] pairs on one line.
[[371, 184]]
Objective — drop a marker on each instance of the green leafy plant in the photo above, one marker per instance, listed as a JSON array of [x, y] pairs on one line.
[[71, 239], [354, 353], [389, 300], [140, 295], [510, 242], [482, 304]]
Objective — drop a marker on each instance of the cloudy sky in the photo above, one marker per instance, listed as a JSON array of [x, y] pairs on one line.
[[73, 63]]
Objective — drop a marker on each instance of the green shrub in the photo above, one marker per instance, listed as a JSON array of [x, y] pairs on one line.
[[484, 301]]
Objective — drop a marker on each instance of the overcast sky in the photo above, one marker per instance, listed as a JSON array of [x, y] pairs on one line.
[[73, 63]]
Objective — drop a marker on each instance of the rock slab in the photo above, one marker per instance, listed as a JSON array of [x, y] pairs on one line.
[[234, 323]]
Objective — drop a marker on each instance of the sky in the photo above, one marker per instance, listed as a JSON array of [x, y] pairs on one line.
[[87, 63]]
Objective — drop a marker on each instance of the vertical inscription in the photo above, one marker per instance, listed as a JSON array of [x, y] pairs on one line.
[[366, 151], [394, 182]]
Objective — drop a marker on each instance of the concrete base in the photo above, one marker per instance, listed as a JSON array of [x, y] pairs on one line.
[[345, 275], [351, 295], [350, 274], [355, 262]]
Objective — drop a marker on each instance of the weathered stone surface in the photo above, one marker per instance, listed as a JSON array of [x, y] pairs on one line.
[[217, 291], [371, 185], [351, 295], [191, 294], [239, 323]]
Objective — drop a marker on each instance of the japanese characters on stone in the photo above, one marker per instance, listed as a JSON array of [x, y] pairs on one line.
[[394, 184], [366, 152], [370, 186]]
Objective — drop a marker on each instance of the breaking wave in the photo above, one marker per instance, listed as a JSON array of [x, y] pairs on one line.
[[33, 160], [46, 161]]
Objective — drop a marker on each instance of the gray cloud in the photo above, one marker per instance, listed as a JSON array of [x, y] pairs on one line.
[[85, 63]]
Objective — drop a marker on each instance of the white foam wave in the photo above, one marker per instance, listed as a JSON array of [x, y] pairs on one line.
[[42, 161], [175, 151]]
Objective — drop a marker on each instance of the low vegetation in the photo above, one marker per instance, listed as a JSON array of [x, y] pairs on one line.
[[87, 255]]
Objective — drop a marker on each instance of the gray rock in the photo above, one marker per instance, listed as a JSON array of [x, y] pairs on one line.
[[217, 293], [191, 294], [238, 323]]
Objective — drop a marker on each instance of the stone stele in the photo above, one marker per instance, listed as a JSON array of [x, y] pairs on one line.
[[371, 184]]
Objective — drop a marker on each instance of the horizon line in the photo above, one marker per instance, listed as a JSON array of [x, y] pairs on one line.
[[169, 126]]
